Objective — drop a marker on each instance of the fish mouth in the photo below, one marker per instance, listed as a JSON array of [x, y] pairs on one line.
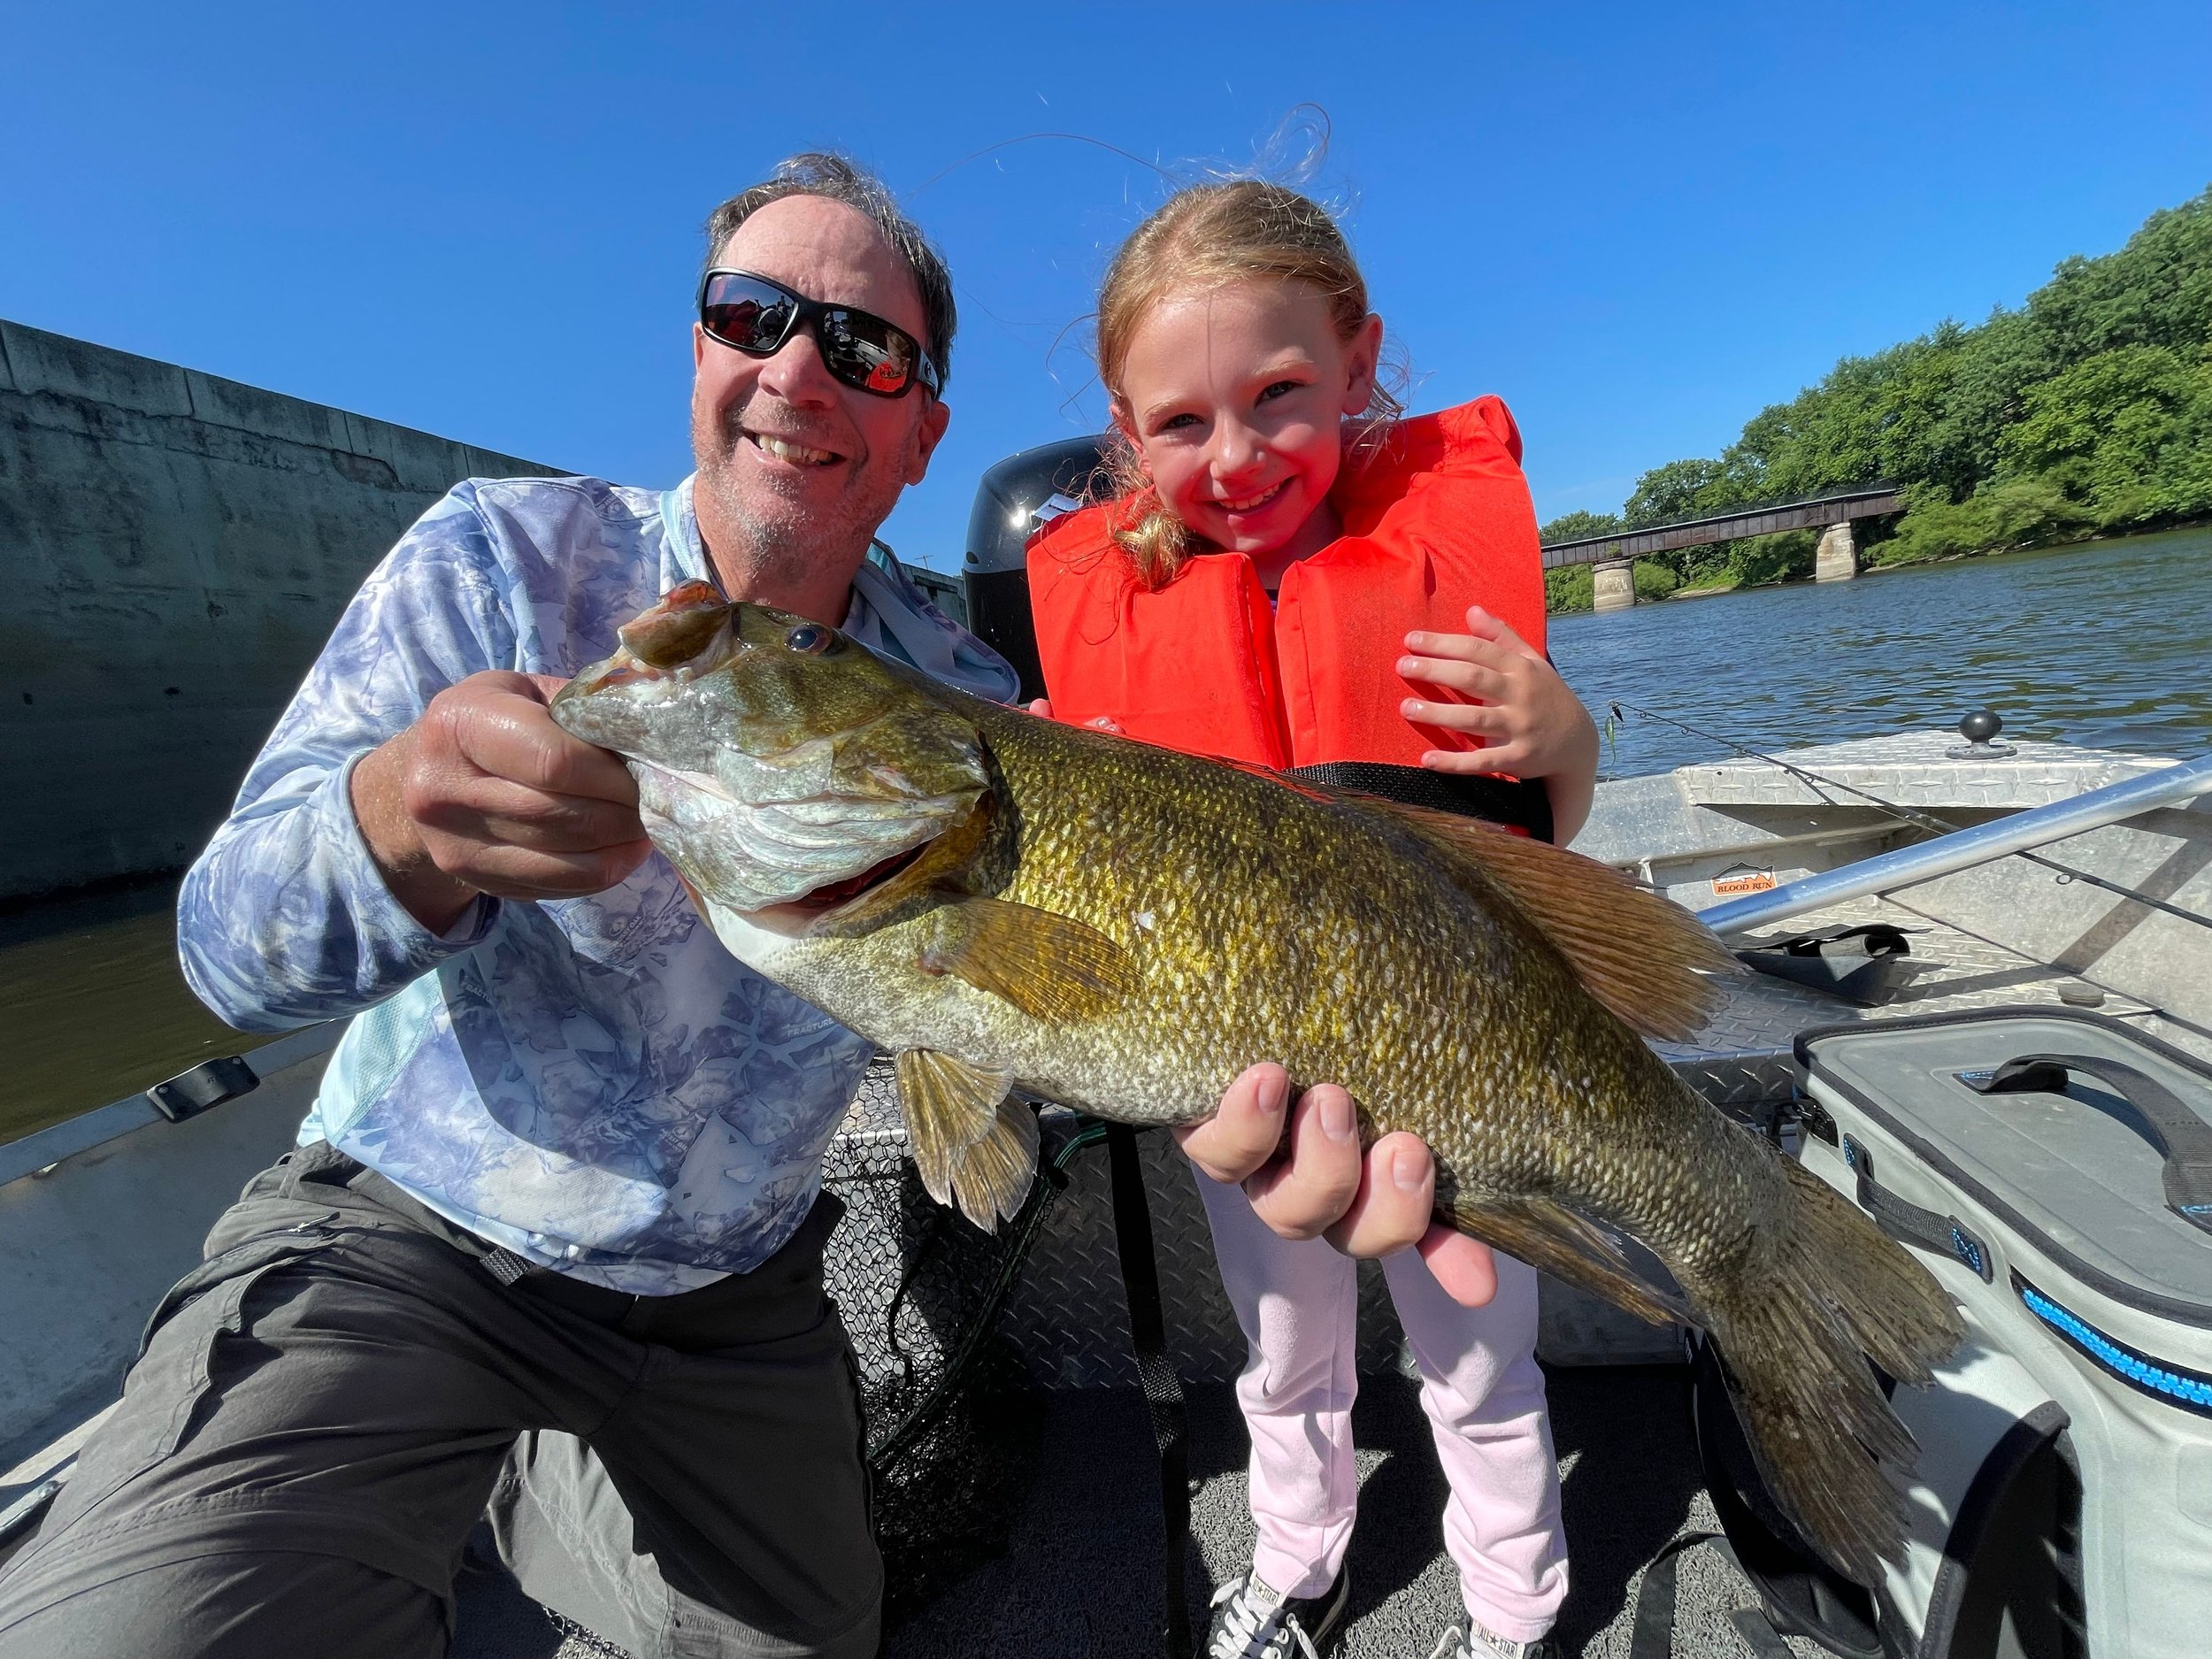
[[794, 915], [789, 865]]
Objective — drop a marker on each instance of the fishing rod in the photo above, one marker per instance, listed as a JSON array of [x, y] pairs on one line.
[[1909, 815]]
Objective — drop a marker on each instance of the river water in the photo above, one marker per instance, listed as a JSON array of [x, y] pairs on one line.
[[2108, 645], [2104, 646]]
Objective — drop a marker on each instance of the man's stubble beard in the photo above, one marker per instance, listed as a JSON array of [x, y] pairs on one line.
[[778, 548]]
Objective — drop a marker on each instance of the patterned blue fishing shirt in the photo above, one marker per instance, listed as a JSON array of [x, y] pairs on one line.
[[595, 1084]]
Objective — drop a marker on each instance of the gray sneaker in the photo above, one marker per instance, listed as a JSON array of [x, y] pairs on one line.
[[1475, 1642], [1251, 1620]]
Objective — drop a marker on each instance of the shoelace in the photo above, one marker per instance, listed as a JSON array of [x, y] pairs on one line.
[[1244, 1623]]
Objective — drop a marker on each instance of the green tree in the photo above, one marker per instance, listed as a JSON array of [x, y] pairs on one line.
[[1573, 526], [2087, 408], [1678, 490], [2122, 432]]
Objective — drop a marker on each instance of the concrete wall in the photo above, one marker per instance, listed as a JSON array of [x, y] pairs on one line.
[[949, 594], [173, 549]]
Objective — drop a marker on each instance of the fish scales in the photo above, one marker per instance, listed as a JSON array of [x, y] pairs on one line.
[[1022, 905]]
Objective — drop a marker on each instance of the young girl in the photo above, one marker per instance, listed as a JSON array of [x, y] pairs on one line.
[[1251, 595]]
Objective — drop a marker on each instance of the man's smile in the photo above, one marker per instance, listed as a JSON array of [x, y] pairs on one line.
[[787, 450]]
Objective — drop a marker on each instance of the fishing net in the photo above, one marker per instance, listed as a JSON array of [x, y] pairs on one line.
[[951, 1424]]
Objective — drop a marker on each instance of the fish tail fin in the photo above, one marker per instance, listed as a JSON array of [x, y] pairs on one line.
[[1796, 1335]]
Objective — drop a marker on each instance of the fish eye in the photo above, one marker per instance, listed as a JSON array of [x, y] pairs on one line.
[[809, 639]]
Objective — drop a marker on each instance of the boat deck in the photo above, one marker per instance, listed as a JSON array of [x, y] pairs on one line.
[[1744, 1053], [1081, 1579]]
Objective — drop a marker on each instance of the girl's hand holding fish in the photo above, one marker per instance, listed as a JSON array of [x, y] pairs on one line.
[[1322, 1187], [1531, 724], [485, 794]]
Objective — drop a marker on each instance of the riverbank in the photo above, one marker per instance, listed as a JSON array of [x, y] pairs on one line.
[[2086, 412]]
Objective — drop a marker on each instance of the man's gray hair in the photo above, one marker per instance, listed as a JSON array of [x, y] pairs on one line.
[[836, 179]]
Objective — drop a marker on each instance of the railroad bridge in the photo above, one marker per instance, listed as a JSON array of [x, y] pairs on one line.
[[1613, 586]]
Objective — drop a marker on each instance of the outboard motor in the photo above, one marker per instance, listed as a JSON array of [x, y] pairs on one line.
[[1016, 495]]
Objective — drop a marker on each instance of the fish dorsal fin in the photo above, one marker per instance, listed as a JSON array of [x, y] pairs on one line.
[[1636, 952], [994, 1176], [1053, 969], [949, 1106]]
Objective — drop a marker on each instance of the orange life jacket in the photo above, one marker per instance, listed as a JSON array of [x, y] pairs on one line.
[[1438, 519]]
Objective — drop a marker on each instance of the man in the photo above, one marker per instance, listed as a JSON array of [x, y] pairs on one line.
[[551, 1245]]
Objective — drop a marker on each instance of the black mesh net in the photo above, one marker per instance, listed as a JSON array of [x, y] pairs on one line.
[[951, 1424]]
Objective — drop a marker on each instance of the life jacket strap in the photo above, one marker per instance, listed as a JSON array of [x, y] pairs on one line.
[[1521, 803]]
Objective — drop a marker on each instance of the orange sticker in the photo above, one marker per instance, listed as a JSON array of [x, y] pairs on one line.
[[1737, 882]]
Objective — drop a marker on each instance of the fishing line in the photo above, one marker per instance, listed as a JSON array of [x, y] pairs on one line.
[[1306, 121], [1918, 819], [1031, 138]]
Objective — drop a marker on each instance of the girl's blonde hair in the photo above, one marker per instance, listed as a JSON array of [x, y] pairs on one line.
[[1204, 237]]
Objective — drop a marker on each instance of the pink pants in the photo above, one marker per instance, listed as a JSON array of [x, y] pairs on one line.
[[1479, 1385]]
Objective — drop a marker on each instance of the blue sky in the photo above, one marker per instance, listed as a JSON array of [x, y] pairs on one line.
[[1639, 224]]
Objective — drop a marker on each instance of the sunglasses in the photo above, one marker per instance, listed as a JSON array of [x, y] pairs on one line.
[[756, 316]]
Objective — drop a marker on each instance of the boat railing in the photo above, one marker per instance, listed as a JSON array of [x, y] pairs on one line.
[[56, 1144], [1961, 850]]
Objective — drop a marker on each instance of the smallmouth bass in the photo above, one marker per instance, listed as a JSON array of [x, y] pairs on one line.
[[1003, 903]]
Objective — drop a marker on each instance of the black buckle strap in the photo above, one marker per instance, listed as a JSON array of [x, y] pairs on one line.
[[1516, 803], [1156, 1373], [506, 1266]]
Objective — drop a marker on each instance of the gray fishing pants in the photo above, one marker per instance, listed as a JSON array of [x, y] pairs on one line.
[[330, 1403]]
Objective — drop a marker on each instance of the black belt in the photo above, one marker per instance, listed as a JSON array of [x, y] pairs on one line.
[[1516, 803]]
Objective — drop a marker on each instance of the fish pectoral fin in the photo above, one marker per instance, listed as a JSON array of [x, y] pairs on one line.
[[1053, 969], [1551, 1236], [1639, 954], [992, 1176], [950, 1106]]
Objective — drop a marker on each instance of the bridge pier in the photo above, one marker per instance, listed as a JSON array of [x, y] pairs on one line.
[[1612, 584], [1838, 558]]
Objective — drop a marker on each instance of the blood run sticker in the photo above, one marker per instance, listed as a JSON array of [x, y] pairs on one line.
[[1741, 879]]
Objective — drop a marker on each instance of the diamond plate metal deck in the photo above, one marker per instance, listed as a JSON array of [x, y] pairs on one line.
[[1743, 1053]]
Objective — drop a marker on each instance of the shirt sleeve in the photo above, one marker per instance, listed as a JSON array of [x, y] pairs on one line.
[[284, 918]]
